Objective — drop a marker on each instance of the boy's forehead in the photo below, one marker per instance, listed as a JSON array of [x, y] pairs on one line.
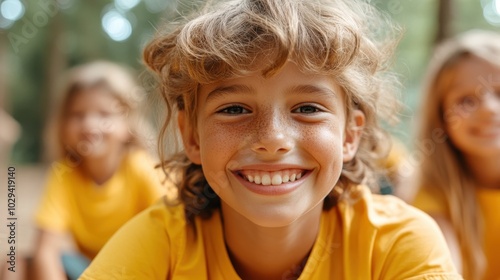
[[290, 78]]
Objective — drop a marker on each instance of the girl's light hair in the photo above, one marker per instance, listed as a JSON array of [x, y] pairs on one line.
[[113, 79], [444, 169], [346, 39]]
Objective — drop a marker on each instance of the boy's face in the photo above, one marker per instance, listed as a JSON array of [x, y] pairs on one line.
[[272, 149]]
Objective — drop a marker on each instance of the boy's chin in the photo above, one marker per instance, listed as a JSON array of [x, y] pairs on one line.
[[277, 219]]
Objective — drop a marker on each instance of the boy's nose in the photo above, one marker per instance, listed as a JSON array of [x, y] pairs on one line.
[[273, 135]]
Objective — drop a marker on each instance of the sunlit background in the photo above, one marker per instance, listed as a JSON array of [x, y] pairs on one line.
[[40, 39]]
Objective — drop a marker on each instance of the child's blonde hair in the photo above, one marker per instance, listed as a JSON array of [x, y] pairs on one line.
[[343, 39], [443, 169], [116, 80]]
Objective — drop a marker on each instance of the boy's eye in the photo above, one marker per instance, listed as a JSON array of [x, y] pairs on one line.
[[307, 109], [234, 110]]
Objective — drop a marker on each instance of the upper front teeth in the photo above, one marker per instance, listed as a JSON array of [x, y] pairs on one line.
[[273, 178]]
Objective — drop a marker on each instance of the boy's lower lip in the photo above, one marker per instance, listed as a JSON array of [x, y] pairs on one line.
[[281, 189]]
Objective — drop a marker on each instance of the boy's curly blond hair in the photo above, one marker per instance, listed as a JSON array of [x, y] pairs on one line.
[[346, 39]]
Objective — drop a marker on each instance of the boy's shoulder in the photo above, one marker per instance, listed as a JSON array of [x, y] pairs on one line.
[[167, 216], [398, 236], [165, 212], [380, 209]]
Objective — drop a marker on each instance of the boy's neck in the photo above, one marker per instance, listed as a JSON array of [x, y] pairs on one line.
[[101, 169], [269, 253]]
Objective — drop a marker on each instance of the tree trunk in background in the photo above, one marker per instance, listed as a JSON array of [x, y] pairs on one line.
[[9, 128], [55, 67], [3, 72], [444, 18], [55, 62]]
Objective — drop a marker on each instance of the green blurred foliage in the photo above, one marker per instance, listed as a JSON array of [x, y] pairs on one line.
[[83, 39], [418, 19]]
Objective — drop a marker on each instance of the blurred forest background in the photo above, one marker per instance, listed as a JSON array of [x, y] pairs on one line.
[[40, 39]]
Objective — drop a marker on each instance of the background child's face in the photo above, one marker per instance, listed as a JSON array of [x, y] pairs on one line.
[[255, 134], [472, 103], [95, 124]]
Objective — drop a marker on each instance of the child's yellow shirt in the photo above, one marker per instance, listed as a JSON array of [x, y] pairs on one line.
[[73, 203], [371, 237], [489, 204]]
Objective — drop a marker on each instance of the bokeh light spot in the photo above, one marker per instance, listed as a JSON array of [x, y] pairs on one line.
[[12, 9], [116, 26], [126, 4]]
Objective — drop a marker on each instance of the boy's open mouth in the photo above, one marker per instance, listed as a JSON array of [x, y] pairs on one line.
[[267, 178]]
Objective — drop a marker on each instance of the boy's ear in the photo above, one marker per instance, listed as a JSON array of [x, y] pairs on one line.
[[353, 132], [189, 138]]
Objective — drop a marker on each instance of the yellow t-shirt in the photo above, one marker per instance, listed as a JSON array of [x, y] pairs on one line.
[[377, 237], [73, 203], [488, 200]]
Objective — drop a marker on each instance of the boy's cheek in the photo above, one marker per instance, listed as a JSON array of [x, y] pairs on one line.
[[218, 180]]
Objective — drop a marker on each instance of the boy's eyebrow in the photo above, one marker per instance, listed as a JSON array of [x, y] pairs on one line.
[[312, 89], [220, 91]]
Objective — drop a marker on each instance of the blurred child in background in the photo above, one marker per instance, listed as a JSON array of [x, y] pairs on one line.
[[272, 99], [459, 175], [103, 176]]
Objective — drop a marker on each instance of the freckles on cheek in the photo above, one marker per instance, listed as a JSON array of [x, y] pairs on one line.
[[220, 138], [325, 143], [218, 144]]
